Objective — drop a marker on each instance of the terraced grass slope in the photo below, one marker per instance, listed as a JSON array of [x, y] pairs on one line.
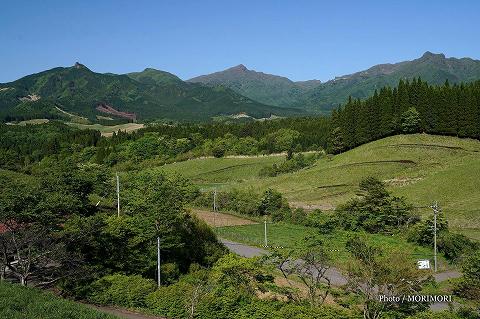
[[222, 172], [18, 302], [423, 168]]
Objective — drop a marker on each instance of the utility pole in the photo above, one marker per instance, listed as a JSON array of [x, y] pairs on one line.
[[435, 212], [118, 196], [265, 231], [159, 282], [214, 208]]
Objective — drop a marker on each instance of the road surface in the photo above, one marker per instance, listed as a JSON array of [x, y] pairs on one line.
[[334, 274], [122, 313]]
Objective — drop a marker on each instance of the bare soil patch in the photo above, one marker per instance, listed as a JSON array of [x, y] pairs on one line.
[[221, 219]]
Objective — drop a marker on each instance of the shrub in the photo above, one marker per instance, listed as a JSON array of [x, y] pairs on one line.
[[293, 164], [122, 290], [454, 246], [376, 211], [169, 301], [469, 286]]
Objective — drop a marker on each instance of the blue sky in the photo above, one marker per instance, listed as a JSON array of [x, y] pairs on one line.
[[298, 39]]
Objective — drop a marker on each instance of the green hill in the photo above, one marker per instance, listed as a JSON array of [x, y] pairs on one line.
[[17, 302], [423, 168], [150, 94]]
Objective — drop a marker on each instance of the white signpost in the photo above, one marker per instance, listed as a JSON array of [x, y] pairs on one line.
[[423, 264]]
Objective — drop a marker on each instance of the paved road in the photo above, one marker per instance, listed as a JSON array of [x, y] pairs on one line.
[[334, 274], [242, 249], [450, 274]]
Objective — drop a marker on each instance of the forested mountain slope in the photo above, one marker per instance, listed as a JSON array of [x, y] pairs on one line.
[[150, 94]]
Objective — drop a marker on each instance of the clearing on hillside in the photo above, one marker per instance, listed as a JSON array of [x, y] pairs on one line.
[[221, 219], [108, 130]]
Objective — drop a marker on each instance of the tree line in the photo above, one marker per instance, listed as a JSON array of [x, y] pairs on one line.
[[412, 107]]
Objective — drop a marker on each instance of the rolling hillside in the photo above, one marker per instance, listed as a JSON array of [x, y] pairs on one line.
[[423, 168], [150, 94]]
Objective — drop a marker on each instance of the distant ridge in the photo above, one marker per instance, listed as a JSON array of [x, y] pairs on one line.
[[150, 94], [259, 86], [320, 97]]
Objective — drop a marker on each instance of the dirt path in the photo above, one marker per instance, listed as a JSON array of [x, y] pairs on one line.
[[122, 313], [220, 219], [450, 274]]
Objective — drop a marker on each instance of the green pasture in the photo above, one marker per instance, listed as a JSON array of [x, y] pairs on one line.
[[17, 302], [423, 168]]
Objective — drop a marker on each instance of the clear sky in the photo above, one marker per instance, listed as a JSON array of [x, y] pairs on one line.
[[298, 39]]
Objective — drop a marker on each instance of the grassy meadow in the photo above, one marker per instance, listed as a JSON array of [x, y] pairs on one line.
[[421, 167], [108, 130], [17, 302]]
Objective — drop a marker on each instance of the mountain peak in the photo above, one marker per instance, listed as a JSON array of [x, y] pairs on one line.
[[78, 65], [240, 68], [430, 55]]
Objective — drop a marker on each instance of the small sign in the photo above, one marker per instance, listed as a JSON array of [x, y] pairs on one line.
[[423, 264]]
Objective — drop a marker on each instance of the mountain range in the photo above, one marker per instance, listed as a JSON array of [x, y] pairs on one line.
[[150, 94], [234, 92], [318, 97]]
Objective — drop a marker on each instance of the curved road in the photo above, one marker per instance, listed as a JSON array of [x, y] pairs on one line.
[[334, 274]]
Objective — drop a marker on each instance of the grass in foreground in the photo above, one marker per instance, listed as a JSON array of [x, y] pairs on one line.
[[18, 302], [290, 236]]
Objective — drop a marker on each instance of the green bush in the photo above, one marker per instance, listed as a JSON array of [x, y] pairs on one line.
[[122, 290], [293, 164], [17, 302], [376, 211], [469, 285], [170, 301], [454, 246]]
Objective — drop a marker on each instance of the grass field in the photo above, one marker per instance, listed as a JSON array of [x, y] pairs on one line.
[[284, 236], [108, 130], [222, 172], [423, 168], [18, 302]]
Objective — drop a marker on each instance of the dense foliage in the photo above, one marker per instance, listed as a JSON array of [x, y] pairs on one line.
[[411, 107], [376, 210]]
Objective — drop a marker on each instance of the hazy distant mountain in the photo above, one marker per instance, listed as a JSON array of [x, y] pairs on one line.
[[259, 86], [320, 97], [433, 68], [142, 95]]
